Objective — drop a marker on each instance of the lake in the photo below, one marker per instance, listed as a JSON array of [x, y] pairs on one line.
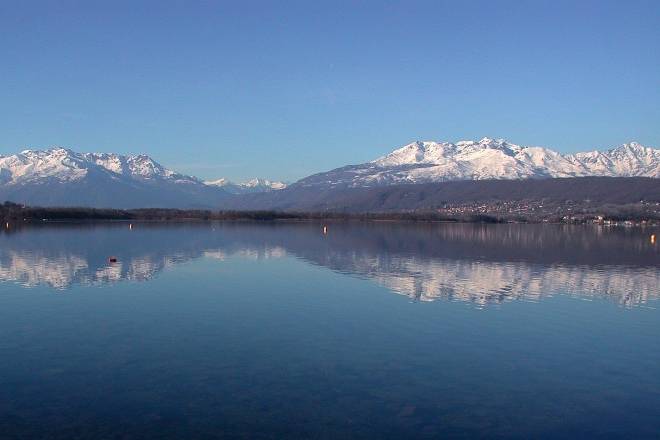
[[366, 330]]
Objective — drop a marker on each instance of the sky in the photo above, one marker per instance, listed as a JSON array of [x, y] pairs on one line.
[[284, 89]]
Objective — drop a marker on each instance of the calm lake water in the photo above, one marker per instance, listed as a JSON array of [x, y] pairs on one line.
[[369, 331]]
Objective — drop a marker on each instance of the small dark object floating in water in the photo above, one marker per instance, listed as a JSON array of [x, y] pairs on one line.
[[112, 259]]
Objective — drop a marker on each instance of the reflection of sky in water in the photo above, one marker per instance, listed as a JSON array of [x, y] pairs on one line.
[[474, 263]]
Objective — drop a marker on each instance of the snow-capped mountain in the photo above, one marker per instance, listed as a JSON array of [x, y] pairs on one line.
[[59, 176], [62, 177], [63, 165], [423, 162], [251, 186]]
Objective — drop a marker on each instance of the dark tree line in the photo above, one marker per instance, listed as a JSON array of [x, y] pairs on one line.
[[18, 213], [12, 212]]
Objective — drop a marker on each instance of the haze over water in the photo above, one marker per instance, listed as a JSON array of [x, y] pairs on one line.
[[371, 330]]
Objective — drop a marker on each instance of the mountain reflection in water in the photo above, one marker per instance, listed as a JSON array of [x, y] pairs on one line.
[[480, 264]]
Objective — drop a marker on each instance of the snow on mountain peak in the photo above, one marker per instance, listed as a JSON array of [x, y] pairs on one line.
[[218, 182], [259, 182], [253, 185], [489, 158], [416, 162], [65, 165]]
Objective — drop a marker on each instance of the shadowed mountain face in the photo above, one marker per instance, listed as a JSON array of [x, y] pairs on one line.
[[103, 192], [429, 196], [480, 264]]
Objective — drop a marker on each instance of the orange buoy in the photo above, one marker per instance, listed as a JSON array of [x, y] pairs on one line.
[[652, 238]]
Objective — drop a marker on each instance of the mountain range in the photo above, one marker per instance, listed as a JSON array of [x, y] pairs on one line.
[[425, 162], [62, 177]]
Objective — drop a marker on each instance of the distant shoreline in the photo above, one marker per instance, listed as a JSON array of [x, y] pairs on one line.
[[25, 214], [18, 214]]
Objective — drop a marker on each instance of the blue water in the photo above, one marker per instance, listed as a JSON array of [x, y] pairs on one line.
[[370, 331]]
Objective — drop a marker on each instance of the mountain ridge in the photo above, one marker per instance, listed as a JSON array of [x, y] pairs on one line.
[[67, 165], [63, 177], [430, 161]]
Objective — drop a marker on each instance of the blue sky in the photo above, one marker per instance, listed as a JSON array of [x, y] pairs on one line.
[[285, 89]]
